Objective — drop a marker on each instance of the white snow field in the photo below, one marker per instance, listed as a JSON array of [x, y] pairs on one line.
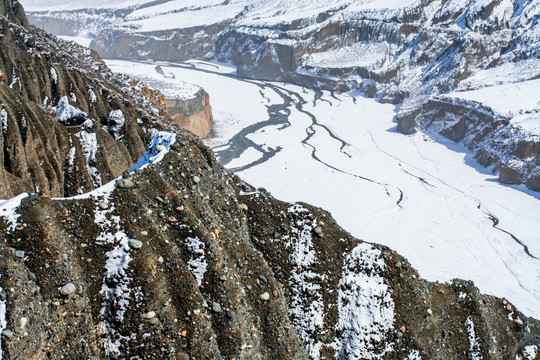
[[428, 200]]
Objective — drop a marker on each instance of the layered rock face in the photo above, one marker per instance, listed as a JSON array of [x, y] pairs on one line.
[[14, 12], [168, 45], [72, 23], [180, 42], [193, 114], [489, 134], [187, 105]]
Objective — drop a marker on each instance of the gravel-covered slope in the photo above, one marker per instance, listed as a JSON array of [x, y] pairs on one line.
[[182, 259]]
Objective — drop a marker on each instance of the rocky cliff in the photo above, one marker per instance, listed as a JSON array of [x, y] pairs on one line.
[[490, 135], [179, 259], [194, 114], [14, 12]]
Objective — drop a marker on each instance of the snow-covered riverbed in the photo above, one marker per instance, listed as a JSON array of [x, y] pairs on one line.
[[428, 200]]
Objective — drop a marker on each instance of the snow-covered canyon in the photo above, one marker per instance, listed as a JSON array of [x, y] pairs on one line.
[[426, 198]]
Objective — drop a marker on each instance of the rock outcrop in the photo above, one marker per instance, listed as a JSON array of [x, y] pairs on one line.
[[491, 137], [187, 105], [14, 12], [173, 45], [193, 114]]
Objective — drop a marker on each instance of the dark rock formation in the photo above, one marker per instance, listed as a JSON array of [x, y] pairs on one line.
[[173, 45], [72, 23], [493, 140], [14, 12]]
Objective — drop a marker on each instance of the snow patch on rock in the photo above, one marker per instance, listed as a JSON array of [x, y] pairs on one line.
[[359, 54], [4, 120], [92, 96], [90, 148], [54, 75], [414, 355], [158, 147], [8, 210], [474, 346], [365, 306], [307, 316], [115, 288], [116, 123], [531, 352], [3, 322], [197, 263], [65, 112]]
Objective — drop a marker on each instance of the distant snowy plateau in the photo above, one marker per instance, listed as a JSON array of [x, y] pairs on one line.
[[308, 98]]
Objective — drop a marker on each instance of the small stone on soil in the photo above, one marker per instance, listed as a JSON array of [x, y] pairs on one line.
[[149, 315], [182, 356], [68, 289], [124, 183], [8, 333], [135, 244], [265, 296], [243, 207], [216, 307]]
